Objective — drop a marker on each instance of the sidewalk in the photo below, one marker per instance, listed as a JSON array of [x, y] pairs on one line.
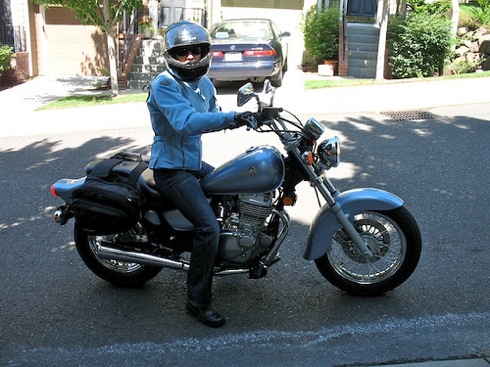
[[19, 103]]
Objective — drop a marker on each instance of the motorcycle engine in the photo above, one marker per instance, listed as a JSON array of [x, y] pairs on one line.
[[243, 233]]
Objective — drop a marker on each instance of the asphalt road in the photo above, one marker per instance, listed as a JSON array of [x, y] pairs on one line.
[[54, 312]]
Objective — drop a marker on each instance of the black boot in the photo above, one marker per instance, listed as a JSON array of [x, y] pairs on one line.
[[207, 315]]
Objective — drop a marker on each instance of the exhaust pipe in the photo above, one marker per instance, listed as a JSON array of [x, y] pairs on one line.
[[111, 253]]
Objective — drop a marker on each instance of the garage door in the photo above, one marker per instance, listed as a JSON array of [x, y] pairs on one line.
[[73, 48]]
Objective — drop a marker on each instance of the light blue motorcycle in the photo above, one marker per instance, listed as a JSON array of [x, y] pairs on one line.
[[363, 241]]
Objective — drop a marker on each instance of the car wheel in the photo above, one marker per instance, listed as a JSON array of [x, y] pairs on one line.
[[276, 80]]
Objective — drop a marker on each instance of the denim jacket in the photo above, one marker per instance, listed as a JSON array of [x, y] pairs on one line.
[[180, 113]]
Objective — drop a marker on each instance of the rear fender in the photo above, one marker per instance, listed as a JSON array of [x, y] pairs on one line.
[[64, 188], [325, 223]]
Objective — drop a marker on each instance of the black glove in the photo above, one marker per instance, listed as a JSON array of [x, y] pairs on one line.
[[249, 119]]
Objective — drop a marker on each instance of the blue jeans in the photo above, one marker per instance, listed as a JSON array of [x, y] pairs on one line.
[[182, 188]]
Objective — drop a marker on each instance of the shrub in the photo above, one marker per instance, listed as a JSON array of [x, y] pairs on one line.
[[463, 66], [321, 33], [432, 8], [5, 56], [481, 12], [418, 45]]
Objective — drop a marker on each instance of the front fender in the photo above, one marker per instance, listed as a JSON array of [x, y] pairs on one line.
[[354, 201]]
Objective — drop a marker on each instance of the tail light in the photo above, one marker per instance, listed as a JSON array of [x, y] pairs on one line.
[[260, 53], [53, 191], [217, 54]]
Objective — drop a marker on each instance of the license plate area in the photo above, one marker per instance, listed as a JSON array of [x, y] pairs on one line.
[[233, 57]]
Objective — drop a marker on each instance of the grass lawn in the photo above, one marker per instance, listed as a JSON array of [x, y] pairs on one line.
[[93, 100], [337, 82]]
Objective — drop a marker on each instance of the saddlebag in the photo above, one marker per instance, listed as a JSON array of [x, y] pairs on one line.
[[108, 203]]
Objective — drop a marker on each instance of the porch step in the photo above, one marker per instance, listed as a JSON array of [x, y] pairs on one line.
[[147, 64], [363, 50]]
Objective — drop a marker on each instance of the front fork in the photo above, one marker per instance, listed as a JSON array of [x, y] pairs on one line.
[[327, 190]]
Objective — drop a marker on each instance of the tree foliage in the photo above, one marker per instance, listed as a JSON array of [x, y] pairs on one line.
[[431, 8], [102, 13]]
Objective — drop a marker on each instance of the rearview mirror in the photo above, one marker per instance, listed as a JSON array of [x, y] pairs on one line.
[[245, 94]]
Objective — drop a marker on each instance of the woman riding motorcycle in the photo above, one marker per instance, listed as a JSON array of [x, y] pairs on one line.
[[182, 105]]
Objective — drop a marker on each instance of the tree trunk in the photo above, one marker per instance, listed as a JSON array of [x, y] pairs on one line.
[[111, 49], [455, 17], [380, 64]]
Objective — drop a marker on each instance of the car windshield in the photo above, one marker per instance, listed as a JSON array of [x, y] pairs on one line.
[[251, 29]]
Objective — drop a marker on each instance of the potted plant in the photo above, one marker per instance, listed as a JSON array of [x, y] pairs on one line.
[[146, 26], [321, 36]]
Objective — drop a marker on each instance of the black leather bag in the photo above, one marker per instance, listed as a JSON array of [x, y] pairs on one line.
[[108, 203]]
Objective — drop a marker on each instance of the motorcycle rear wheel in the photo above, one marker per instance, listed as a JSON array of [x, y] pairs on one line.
[[395, 241], [119, 273]]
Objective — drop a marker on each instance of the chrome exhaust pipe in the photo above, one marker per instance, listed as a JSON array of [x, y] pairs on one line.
[[111, 253]]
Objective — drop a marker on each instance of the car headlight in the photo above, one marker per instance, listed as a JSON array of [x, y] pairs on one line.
[[329, 152]]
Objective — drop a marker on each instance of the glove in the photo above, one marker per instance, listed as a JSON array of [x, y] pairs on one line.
[[249, 119]]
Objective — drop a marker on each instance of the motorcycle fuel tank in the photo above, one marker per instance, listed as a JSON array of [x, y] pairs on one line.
[[259, 169]]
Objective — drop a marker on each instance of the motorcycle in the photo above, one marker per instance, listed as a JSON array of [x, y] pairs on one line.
[[363, 241]]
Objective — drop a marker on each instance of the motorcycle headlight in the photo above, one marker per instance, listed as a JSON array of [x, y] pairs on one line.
[[314, 128], [329, 152]]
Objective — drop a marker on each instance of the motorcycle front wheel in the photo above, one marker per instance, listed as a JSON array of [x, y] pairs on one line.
[[395, 242], [119, 273]]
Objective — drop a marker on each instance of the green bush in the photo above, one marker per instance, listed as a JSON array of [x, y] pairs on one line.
[[419, 45], [433, 8], [481, 12], [321, 34], [463, 66], [5, 56]]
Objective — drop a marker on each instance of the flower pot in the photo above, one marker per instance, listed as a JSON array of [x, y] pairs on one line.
[[328, 68]]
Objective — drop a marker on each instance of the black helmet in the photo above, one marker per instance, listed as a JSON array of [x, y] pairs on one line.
[[188, 35]]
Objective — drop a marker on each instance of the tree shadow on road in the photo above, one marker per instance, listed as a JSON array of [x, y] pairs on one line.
[[439, 167]]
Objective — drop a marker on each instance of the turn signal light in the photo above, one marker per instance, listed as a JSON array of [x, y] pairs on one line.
[[288, 200], [307, 158]]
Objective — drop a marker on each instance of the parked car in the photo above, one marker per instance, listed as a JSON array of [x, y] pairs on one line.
[[248, 49]]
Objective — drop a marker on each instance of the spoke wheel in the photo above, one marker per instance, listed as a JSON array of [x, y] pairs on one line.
[[394, 240], [120, 273]]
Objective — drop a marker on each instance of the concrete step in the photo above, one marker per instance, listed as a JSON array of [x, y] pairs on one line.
[[354, 29], [363, 72], [362, 55], [363, 47], [152, 59], [148, 68], [141, 85], [358, 38], [357, 63]]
